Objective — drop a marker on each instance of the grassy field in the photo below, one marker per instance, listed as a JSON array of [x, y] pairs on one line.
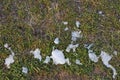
[[29, 24]]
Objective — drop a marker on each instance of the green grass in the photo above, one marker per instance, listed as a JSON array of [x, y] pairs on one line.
[[28, 24]]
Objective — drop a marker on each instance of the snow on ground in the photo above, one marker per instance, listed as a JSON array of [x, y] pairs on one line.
[[47, 60], [92, 56], [9, 48], [77, 24], [25, 70], [88, 46], [58, 57], [6, 45], [78, 62], [36, 54], [10, 59], [75, 35], [56, 41], [115, 53], [104, 56], [105, 59], [65, 22], [66, 29], [71, 46], [100, 12], [68, 61]]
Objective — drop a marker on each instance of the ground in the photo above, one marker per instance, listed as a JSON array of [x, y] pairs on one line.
[[29, 24]]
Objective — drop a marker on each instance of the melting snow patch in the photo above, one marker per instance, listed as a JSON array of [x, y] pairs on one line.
[[93, 57], [56, 41], [100, 12], [88, 46], [78, 62], [47, 60], [115, 53], [66, 29], [6, 45], [68, 61], [9, 48], [65, 22], [9, 61], [105, 59], [25, 70], [11, 51], [58, 57], [72, 46], [77, 24], [76, 35], [36, 54]]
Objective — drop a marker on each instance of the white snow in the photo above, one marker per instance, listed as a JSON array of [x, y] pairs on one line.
[[76, 35], [68, 61], [100, 12], [93, 57], [78, 62], [6, 45], [88, 46], [9, 48], [77, 24], [25, 70], [36, 54], [9, 60], [105, 59], [11, 51], [56, 41], [115, 53], [72, 46], [104, 56], [66, 29], [58, 57], [65, 22], [47, 60]]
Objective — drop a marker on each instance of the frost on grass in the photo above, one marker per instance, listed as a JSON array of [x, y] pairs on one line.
[[56, 41], [93, 57], [10, 59], [72, 46], [78, 62], [36, 54], [47, 60], [105, 59], [77, 24], [76, 35], [25, 70], [58, 57]]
